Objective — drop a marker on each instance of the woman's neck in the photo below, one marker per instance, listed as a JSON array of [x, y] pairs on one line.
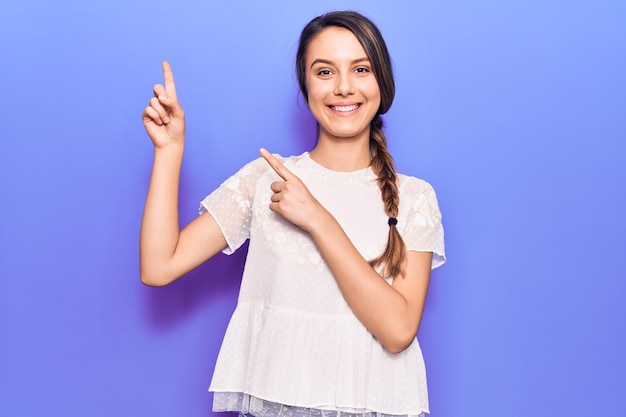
[[340, 155]]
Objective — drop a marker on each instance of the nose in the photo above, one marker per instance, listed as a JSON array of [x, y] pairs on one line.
[[344, 85]]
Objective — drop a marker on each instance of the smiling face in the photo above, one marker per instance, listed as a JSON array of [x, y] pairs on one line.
[[343, 93]]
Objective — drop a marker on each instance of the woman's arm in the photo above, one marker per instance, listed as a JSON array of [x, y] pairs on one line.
[[166, 253], [392, 313]]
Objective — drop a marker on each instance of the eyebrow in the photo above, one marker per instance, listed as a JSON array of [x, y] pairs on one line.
[[325, 61]]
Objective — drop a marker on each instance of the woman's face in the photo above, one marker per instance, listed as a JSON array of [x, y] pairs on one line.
[[343, 92]]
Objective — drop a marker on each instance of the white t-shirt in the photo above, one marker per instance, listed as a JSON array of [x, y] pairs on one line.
[[293, 339]]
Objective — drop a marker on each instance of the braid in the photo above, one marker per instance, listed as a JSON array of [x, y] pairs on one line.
[[394, 256]]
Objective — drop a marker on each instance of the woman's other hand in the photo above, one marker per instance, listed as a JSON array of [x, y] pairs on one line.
[[164, 118]]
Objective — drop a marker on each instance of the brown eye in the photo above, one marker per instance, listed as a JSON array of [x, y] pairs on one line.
[[324, 72]]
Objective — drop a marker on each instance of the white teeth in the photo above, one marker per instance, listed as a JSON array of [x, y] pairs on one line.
[[346, 108]]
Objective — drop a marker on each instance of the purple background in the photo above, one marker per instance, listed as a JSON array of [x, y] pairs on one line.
[[515, 112]]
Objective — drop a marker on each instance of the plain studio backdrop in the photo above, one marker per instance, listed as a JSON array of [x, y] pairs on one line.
[[515, 111]]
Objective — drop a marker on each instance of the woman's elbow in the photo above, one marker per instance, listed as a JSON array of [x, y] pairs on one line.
[[153, 279], [400, 340], [399, 346]]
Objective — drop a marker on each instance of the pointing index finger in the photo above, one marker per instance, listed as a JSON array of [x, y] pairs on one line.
[[276, 165], [168, 77]]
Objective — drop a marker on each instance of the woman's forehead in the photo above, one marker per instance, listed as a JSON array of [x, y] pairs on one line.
[[335, 44]]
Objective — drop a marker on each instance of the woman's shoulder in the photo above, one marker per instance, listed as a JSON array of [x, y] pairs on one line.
[[408, 184], [418, 196]]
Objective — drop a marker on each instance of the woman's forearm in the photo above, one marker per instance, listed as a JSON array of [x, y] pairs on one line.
[[385, 311]]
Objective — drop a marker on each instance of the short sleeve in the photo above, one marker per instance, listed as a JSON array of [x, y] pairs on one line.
[[231, 204], [424, 230]]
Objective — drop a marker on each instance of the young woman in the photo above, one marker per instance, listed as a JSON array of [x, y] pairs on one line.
[[341, 246]]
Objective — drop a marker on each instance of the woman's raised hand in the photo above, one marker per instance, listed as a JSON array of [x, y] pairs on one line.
[[164, 118]]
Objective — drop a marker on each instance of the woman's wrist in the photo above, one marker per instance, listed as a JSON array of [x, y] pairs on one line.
[[321, 223], [172, 151]]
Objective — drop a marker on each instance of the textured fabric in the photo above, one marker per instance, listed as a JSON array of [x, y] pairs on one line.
[[262, 408], [292, 339]]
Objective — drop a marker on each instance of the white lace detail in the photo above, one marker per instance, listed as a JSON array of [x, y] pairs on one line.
[[246, 404], [423, 230], [231, 204]]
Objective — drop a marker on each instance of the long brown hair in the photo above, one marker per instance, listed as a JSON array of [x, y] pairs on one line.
[[393, 258]]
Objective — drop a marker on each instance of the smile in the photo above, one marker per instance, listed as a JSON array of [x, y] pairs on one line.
[[345, 109]]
